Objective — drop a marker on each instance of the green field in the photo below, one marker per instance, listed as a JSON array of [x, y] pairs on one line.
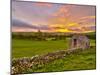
[[28, 48], [81, 61], [85, 60]]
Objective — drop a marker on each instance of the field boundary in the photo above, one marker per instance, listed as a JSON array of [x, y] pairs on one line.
[[21, 65]]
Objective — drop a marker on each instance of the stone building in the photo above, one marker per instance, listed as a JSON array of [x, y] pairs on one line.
[[79, 41]]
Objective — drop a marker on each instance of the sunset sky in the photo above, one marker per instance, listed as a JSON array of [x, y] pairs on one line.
[[52, 17]]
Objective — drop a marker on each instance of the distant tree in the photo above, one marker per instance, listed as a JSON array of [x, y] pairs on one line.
[[40, 35]]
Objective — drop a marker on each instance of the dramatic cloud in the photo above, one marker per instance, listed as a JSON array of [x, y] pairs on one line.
[[20, 24], [52, 17], [62, 12], [45, 5]]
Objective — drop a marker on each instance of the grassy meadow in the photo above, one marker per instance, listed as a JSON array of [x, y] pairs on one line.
[[28, 48], [79, 61]]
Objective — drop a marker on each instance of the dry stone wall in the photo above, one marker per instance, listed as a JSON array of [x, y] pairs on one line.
[[22, 64]]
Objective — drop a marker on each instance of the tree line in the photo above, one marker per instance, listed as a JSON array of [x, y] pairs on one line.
[[46, 36]]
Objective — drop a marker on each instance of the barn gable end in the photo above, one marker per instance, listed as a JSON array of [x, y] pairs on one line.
[[79, 41]]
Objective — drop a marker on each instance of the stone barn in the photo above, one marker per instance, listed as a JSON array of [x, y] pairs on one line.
[[79, 41]]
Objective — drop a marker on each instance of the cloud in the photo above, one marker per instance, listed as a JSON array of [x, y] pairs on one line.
[[20, 24], [18, 29], [85, 24], [82, 29], [60, 16], [88, 17], [42, 4], [53, 17], [59, 28], [62, 12], [89, 28]]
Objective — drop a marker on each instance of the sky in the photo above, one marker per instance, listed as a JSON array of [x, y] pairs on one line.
[[52, 17]]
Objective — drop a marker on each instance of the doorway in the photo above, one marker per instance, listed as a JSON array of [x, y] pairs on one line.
[[75, 42]]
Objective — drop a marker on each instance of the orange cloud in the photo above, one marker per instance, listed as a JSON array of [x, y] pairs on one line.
[[88, 17], [62, 21], [73, 24], [62, 12], [60, 16], [41, 4], [81, 29], [18, 29], [59, 28], [63, 30]]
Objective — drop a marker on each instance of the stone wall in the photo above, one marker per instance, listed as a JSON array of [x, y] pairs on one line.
[[20, 65], [81, 41]]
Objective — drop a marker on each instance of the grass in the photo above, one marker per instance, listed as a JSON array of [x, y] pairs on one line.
[[82, 61], [28, 48], [85, 60]]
